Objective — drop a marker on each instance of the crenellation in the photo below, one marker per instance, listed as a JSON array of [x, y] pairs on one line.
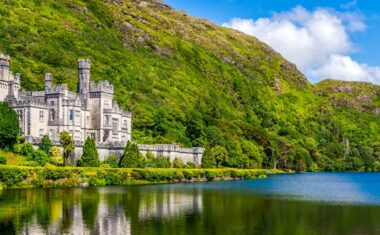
[[102, 86], [92, 112]]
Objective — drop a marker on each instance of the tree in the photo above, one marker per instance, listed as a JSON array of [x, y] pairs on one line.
[[177, 163], [9, 126], [220, 155], [45, 144], [90, 156], [131, 156], [67, 145], [208, 160]]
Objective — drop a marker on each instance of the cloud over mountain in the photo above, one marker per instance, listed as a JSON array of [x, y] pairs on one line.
[[317, 41]]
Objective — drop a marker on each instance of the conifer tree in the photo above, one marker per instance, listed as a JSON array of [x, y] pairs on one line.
[[90, 157], [131, 157]]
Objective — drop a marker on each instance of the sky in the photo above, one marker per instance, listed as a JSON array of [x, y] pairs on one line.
[[325, 39]]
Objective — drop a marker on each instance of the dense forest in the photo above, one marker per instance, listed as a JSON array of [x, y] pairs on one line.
[[191, 82]]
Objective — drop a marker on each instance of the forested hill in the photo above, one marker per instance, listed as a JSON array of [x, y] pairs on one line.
[[194, 83]]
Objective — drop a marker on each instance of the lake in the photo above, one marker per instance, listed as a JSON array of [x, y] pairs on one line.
[[311, 203]]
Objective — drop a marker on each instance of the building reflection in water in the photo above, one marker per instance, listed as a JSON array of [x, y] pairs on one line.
[[97, 210], [165, 205]]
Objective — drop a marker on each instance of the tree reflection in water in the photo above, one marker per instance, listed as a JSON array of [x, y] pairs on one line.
[[174, 209]]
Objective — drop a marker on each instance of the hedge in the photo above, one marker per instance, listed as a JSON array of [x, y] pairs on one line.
[[21, 176]]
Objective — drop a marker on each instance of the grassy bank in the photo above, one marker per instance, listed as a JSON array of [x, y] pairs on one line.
[[24, 177]]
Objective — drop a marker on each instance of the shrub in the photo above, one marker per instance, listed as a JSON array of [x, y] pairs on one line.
[[190, 165], [3, 160], [31, 163], [40, 157], [25, 149], [12, 176], [177, 163], [45, 144], [56, 156], [112, 161]]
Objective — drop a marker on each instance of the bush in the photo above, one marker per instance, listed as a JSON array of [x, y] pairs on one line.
[[112, 161], [45, 144], [190, 165], [177, 163], [40, 157], [56, 156], [25, 149], [12, 176], [31, 164], [3, 160]]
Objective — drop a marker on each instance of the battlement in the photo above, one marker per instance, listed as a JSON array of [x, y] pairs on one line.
[[102, 86], [28, 102], [57, 89], [169, 148], [84, 64], [4, 61]]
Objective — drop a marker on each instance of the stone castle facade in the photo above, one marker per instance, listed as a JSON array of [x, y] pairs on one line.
[[91, 112]]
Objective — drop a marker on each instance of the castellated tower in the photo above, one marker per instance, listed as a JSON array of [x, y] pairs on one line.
[[84, 68], [48, 80], [4, 67]]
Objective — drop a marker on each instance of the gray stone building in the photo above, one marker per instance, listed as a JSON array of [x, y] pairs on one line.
[[91, 112]]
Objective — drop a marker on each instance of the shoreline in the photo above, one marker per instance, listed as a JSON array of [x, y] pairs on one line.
[[50, 177]]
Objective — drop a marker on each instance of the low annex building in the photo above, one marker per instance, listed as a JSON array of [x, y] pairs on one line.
[[91, 112]]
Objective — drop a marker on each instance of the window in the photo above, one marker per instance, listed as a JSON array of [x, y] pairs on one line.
[[107, 120], [71, 115], [52, 114], [115, 126], [41, 133], [42, 116], [51, 102]]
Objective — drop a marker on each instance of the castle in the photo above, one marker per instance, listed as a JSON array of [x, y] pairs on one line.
[[89, 113]]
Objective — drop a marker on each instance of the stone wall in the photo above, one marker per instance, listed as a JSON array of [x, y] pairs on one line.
[[105, 150]]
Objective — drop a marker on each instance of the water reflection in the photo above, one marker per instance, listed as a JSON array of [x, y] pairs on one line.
[[90, 210], [239, 207]]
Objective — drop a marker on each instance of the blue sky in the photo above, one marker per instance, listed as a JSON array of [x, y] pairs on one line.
[[337, 39]]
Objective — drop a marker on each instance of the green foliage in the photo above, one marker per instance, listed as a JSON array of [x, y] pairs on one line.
[[9, 127], [177, 163], [132, 158], [208, 160], [40, 157], [12, 176], [3, 159], [90, 156], [67, 144], [56, 156], [112, 161], [45, 144], [190, 165], [17, 176], [198, 85]]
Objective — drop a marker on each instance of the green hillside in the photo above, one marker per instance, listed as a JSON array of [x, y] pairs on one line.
[[191, 82]]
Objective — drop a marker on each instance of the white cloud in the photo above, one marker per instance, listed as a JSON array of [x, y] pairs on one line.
[[317, 41]]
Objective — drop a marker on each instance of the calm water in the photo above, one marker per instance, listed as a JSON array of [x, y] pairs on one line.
[[323, 203]]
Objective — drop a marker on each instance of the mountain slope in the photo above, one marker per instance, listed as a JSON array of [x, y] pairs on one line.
[[191, 82]]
